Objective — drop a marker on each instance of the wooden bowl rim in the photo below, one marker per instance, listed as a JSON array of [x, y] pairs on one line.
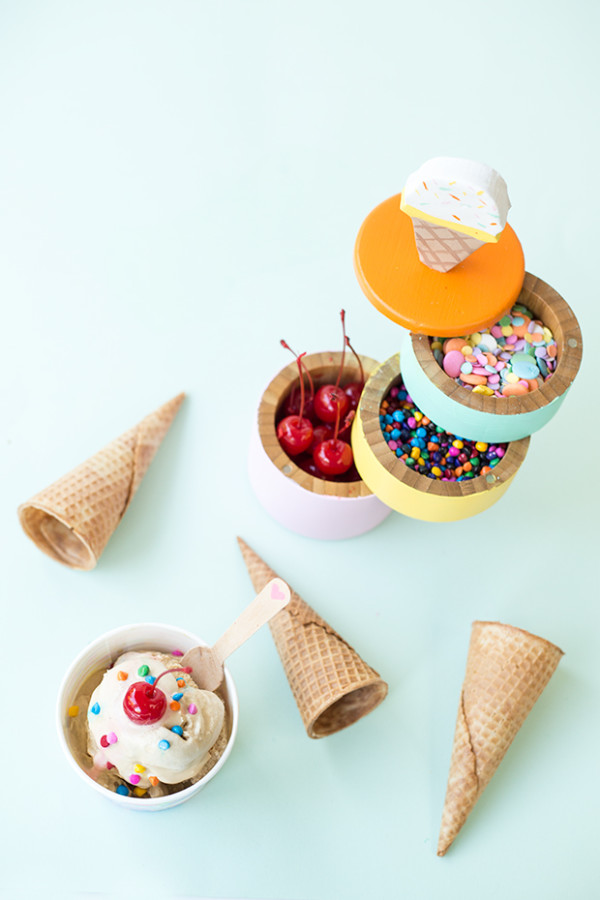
[[547, 304], [269, 404], [376, 389]]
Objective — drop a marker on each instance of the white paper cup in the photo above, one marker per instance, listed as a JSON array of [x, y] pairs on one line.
[[99, 655]]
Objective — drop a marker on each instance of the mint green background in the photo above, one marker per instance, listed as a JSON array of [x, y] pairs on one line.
[[181, 184]]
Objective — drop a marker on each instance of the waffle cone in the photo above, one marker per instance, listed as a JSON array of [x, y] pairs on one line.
[[507, 670], [331, 684], [442, 248], [72, 519]]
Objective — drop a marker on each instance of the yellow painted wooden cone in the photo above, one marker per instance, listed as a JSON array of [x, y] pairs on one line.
[[507, 670], [333, 687], [73, 519]]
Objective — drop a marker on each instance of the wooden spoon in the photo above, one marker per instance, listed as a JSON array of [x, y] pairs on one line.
[[207, 662]]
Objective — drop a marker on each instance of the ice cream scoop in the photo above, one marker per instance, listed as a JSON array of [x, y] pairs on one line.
[[151, 734], [206, 663]]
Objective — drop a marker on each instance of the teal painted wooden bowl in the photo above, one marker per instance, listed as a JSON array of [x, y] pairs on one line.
[[482, 418]]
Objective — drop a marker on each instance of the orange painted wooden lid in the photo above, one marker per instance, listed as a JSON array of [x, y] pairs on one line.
[[473, 295]]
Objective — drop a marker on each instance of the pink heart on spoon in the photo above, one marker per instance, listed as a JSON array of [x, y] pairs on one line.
[[276, 592]]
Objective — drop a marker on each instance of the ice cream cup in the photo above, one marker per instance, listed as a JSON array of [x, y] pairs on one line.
[[296, 499], [99, 655]]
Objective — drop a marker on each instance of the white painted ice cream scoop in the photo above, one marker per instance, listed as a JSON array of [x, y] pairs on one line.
[[460, 194], [207, 662]]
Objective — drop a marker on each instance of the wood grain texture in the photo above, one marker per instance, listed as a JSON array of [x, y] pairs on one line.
[[323, 368], [547, 305], [376, 390]]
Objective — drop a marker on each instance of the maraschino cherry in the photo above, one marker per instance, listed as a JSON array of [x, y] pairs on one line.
[[334, 456], [295, 433], [330, 399], [144, 703], [322, 432]]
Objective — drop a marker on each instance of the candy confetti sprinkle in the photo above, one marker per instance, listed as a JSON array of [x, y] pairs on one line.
[[512, 358], [164, 745], [73, 711], [429, 450]]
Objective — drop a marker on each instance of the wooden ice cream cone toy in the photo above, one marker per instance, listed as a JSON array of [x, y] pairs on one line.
[[440, 258], [456, 206]]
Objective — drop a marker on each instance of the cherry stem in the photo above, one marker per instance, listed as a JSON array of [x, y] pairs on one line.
[[299, 361], [337, 421], [185, 669], [348, 421], [357, 357], [343, 318], [286, 346]]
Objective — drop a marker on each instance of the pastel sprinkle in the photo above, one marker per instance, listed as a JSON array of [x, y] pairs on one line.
[[73, 711], [177, 729], [192, 709], [95, 709], [122, 676], [143, 670], [123, 790], [164, 745], [516, 350], [112, 738], [134, 779], [177, 696], [139, 768]]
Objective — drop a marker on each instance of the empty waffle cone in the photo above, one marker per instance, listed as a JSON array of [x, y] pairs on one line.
[[507, 670], [331, 684], [442, 248], [72, 519]]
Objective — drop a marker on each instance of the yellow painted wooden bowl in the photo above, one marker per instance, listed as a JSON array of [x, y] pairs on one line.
[[409, 492]]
